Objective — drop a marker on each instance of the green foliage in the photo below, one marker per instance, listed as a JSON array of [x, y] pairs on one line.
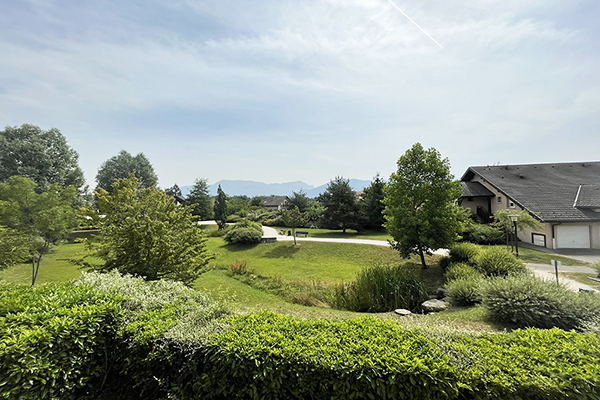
[[372, 206], [380, 288], [42, 156], [465, 291], [482, 234], [15, 247], [146, 234], [45, 217], [200, 199], [341, 206], [462, 271], [55, 340], [173, 191], [464, 253], [220, 208], [300, 200], [503, 221], [419, 203], [496, 261], [266, 355], [122, 166], [293, 218], [531, 302], [244, 232]]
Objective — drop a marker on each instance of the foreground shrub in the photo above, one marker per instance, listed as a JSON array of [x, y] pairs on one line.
[[464, 253], [382, 288], [483, 234], [531, 302], [54, 340], [461, 271], [244, 232], [465, 291], [496, 261]]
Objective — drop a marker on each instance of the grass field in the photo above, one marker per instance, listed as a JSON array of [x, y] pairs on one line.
[[350, 233]]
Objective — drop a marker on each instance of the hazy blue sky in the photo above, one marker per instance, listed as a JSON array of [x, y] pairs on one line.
[[279, 91]]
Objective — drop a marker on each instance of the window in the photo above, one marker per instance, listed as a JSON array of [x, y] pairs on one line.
[[469, 199], [511, 204], [499, 199]]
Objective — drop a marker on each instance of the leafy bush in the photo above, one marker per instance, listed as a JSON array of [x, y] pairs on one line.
[[483, 234], [445, 263], [464, 253], [496, 261], [465, 291], [244, 232], [382, 287], [531, 302], [461, 271], [54, 340]]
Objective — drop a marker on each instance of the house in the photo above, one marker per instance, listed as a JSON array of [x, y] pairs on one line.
[[275, 202], [564, 197]]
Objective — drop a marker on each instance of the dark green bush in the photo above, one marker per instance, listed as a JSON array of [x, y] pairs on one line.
[[382, 287], [55, 340], [531, 302], [464, 253], [462, 271], [244, 232], [465, 291], [445, 263], [483, 234], [496, 261]]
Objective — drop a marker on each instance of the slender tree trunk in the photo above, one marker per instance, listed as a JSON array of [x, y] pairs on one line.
[[422, 255], [294, 235]]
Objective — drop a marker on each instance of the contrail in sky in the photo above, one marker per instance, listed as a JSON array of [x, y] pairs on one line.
[[422, 30]]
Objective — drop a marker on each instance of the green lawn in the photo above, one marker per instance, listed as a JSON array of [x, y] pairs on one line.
[[350, 233], [537, 257]]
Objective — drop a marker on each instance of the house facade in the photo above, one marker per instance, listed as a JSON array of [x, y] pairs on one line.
[[275, 202], [564, 197]]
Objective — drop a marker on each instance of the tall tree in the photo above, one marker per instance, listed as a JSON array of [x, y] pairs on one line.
[[42, 156], [341, 206], [419, 203], [293, 218], [44, 217], [300, 200], [121, 166], [200, 200], [372, 206], [220, 208], [173, 191], [145, 233]]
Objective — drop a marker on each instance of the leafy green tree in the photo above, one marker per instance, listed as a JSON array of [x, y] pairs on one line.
[[257, 201], [293, 218], [525, 221], [419, 203], [239, 205], [300, 200], [341, 205], [15, 247], [200, 200], [173, 191], [372, 206], [220, 208], [121, 166], [42, 156], [44, 217], [145, 233]]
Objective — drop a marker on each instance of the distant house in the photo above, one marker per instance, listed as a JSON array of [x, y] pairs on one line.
[[275, 202], [564, 197]]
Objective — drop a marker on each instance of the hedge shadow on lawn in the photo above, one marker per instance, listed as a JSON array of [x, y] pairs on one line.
[[282, 251]]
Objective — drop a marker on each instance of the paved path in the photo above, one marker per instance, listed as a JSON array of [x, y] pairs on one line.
[[569, 283]]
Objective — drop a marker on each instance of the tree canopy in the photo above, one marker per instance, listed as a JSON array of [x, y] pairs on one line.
[[371, 204], [200, 199], [45, 218], [43, 156], [145, 233], [293, 218], [300, 200], [419, 203], [121, 166], [220, 208], [341, 206], [15, 247]]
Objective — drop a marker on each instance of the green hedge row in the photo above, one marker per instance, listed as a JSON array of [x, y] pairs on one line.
[[110, 337]]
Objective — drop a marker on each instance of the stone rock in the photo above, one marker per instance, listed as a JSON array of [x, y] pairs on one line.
[[434, 305], [440, 293], [403, 312]]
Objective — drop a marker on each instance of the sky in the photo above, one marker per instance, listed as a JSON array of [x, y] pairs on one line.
[[281, 91]]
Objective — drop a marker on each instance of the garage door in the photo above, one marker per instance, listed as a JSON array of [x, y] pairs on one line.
[[573, 237]]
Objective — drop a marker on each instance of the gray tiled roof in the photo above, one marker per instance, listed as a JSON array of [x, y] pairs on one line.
[[588, 196], [547, 190], [274, 201], [476, 189]]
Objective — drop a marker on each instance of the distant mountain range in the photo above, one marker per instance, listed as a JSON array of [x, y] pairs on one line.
[[252, 188]]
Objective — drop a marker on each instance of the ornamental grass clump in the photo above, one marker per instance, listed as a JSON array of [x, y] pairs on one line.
[[462, 271], [381, 288], [464, 253], [496, 261], [465, 291], [527, 301]]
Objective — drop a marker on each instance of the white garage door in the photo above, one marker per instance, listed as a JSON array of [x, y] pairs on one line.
[[573, 237]]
